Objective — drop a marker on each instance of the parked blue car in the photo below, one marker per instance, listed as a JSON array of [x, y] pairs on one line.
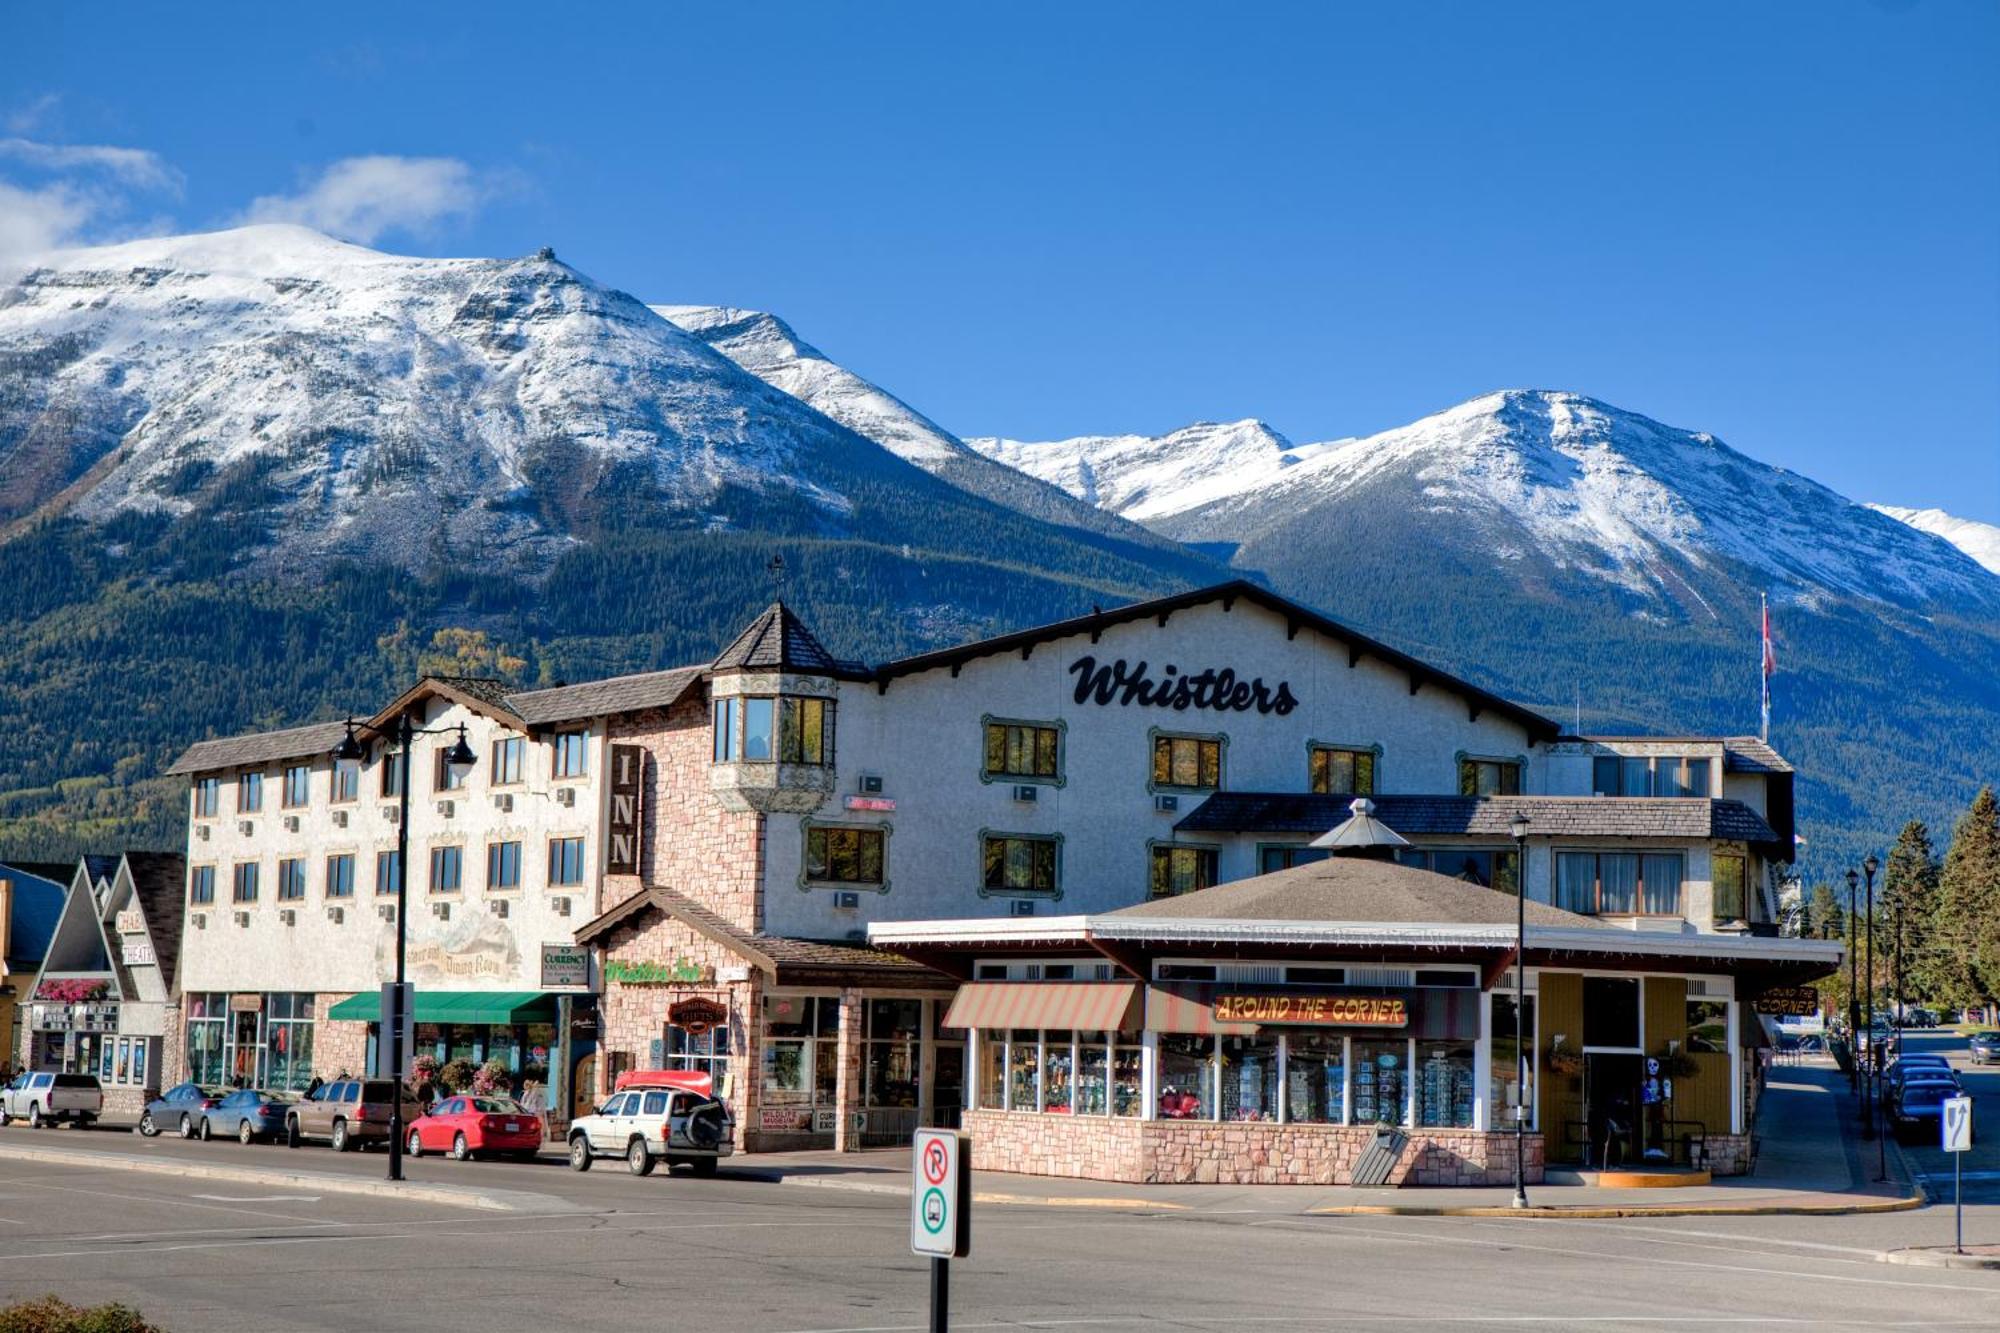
[[250, 1114], [180, 1110]]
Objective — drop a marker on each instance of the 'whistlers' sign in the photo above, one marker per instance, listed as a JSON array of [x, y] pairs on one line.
[[1222, 691], [1358, 1011]]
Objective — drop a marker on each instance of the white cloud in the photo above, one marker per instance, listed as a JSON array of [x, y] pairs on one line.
[[135, 167], [360, 198], [35, 221], [26, 119]]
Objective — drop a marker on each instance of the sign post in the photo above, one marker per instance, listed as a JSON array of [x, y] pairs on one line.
[[1956, 1127], [940, 1210]]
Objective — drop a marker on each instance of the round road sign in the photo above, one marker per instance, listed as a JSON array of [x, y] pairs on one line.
[[934, 1211]]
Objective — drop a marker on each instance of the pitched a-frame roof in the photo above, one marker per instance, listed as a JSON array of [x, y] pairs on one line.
[[157, 880], [1296, 616], [484, 695], [777, 640], [79, 936], [781, 957]]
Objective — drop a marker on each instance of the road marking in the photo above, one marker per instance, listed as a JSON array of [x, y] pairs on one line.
[[1427, 1321], [258, 1198]]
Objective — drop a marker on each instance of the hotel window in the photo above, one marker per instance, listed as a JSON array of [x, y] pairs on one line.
[[572, 754], [503, 865], [249, 793], [758, 715], [728, 712], [392, 774], [1271, 859], [1490, 867], [291, 880], [447, 869], [201, 885], [509, 752], [841, 855], [298, 786], [345, 783], [1333, 770], [565, 861], [1024, 750], [1708, 1027], [1665, 775], [1619, 883], [1729, 874], [444, 777], [340, 876], [1016, 864], [243, 887], [386, 870], [1192, 763], [805, 731], [207, 797], [1178, 870], [1489, 777]]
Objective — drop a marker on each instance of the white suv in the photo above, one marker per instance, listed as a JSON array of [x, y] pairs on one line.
[[645, 1124]]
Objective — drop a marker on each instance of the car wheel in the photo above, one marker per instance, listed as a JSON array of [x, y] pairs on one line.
[[244, 1134], [292, 1138], [187, 1127], [146, 1126], [415, 1147], [579, 1153], [704, 1166], [205, 1131], [339, 1137], [461, 1151], [35, 1117], [638, 1160], [85, 1121]]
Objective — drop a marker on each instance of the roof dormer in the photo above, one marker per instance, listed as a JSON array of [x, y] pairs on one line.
[[774, 691]]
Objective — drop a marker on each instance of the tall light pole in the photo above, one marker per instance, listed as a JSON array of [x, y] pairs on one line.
[[1868, 869], [1518, 826], [459, 759], [1853, 988]]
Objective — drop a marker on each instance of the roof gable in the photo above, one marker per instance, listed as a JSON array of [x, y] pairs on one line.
[[778, 640], [484, 695]]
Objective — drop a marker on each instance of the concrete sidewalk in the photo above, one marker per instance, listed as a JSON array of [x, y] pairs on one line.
[[1811, 1161]]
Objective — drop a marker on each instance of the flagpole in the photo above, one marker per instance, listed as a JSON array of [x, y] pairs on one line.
[[1764, 665]]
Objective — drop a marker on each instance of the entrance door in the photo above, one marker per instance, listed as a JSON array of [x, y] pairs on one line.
[[243, 1062], [1611, 1107]]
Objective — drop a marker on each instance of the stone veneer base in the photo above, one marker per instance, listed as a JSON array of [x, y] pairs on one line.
[[1162, 1152]]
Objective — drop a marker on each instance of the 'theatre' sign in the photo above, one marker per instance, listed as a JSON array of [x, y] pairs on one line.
[[1358, 1011]]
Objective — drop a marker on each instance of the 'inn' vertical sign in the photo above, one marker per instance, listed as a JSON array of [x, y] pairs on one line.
[[628, 764]]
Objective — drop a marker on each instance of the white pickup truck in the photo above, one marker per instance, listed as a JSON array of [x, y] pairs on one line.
[[44, 1098]]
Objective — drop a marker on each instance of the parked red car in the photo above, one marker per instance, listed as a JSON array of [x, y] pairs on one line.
[[465, 1127]]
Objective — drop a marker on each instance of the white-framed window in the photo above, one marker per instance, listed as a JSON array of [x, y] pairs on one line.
[[503, 865], [565, 861], [249, 793], [207, 797], [340, 875], [298, 786], [572, 754], [509, 760], [447, 869]]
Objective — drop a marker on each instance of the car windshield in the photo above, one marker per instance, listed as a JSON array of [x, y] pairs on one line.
[[1924, 1094]]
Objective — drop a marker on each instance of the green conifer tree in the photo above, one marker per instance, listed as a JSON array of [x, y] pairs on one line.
[[1827, 920], [1965, 930], [1908, 906]]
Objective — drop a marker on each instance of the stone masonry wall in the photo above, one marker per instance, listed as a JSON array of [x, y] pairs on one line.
[[688, 842], [338, 1046], [1163, 1152]]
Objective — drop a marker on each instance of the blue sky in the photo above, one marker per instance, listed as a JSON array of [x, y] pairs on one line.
[[1776, 222]]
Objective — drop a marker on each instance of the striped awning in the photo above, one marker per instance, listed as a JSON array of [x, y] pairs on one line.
[[1086, 1006]]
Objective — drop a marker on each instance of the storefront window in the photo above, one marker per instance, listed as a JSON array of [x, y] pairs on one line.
[[1505, 1054], [1024, 1071], [1093, 1063], [207, 1012], [1611, 1012], [895, 1051], [1381, 1082], [1059, 1071], [1128, 1081], [288, 1040], [1316, 1076], [705, 1052], [993, 1071], [1250, 1078], [1186, 1077], [801, 1059], [1444, 1087]]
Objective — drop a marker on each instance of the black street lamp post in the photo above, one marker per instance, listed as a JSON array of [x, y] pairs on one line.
[[1518, 826], [459, 759], [1853, 989]]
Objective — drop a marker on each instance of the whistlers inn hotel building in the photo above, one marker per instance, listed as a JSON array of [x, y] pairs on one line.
[[867, 897]]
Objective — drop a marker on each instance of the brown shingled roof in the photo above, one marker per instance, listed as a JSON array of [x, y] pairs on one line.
[[1485, 816], [599, 698], [1356, 889], [778, 640], [158, 881], [774, 954], [257, 748]]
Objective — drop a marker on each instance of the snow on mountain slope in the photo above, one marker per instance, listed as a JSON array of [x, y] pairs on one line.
[[1979, 540], [380, 404], [1147, 478], [767, 347], [1584, 485]]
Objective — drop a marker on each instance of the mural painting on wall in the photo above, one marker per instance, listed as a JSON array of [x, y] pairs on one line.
[[477, 947]]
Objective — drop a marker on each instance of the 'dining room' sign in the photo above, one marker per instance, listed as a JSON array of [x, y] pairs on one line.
[[1359, 1011]]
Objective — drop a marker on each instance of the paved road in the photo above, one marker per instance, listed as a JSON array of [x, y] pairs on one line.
[[673, 1253], [1982, 1164]]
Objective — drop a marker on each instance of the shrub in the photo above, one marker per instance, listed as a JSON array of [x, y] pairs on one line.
[[493, 1079], [53, 1315]]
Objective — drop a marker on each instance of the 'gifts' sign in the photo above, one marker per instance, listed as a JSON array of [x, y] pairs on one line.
[[1353, 1011], [621, 856]]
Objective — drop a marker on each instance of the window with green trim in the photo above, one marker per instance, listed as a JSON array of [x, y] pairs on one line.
[[1019, 864], [1191, 762], [1178, 870], [1336, 771], [1489, 777], [1023, 750], [844, 855]]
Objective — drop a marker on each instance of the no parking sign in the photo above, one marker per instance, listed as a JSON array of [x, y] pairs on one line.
[[940, 1195]]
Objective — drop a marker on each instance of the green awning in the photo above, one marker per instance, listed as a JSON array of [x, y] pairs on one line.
[[456, 1006]]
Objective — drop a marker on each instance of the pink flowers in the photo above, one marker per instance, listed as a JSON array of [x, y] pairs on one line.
[[72, 990]]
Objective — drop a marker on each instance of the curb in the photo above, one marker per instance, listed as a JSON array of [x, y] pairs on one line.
[[1938, 1257], [978, 1196], [505, 1201], [1589, 1211]]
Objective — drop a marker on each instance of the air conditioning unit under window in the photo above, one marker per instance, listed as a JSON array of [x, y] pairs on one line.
[[442, 911], [1166, 805], [387, 911], [1021, 907], [200, 920], [562, 906], [503, 801], [392, 813], [1028, 792], [243, 919], [566, 796], [288, 916], [847, 900], [291, 823], [336, 914], [201, 831], [340, 819], [497, 906], [871, 784], [447, 808], [245, 827]]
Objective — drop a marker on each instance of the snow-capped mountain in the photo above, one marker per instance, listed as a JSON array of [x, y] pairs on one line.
[[1979, 540], [1580, 484], [767, 347], [1147, 478]]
